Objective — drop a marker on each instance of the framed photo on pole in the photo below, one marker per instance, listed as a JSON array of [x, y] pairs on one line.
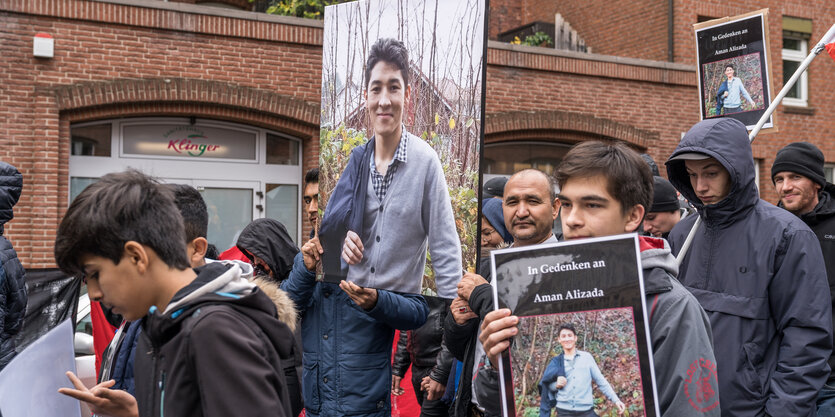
[[734, 68]]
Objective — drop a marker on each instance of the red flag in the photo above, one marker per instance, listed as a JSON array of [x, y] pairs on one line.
[[831, 49]]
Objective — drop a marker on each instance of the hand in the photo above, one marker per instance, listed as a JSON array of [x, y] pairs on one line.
[[561, 381], [725, 94], [364, 297], [312, 253], [753, 105], [496, 331], [621, 407], [396, 389], [102, 400], [352, 248], [461, 311], [468, 282], [434, 389]]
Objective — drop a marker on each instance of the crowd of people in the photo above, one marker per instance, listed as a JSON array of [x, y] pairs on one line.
[[270, 335]]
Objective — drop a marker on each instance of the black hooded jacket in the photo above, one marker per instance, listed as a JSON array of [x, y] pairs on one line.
[[758, 272], [268, 239], [13, 296], [822, 221], [217, 350]]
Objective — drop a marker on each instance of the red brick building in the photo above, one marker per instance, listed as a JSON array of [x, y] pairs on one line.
[[132, 84]]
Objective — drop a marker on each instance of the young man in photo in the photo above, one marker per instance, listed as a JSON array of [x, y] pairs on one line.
[[573, 388], [392, 200], [604, 190], [758, 272], [800, 182], [126, 236]]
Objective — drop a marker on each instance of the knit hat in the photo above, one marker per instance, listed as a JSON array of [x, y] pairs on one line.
[[494, 187], [664, 197], [491, 208], [801, 158]]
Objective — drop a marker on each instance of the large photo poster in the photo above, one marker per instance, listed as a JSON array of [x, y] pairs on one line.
[[401, 127], [734, 71], [582, 319]]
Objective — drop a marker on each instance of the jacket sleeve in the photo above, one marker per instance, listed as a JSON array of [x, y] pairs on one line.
[[444, 244], [233, 369], [486, 387], [801, 308], [457, 337], [401, 356], [300, 284], [551, 372], [681, 340], [443, 365], [481, 300], [400, 311]]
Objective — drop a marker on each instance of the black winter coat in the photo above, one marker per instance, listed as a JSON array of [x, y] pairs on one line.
[[12, 276], [218, 350], [758, 272], [423, 347], [822, 221]]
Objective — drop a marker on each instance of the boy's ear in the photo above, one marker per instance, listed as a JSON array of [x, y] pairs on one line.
[[634, 217], [555, 207], [136, 254], [197, 250]]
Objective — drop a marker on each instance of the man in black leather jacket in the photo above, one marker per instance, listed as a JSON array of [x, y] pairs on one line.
[[430, 360]]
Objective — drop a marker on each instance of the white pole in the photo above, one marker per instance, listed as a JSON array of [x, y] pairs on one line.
[[827, 38]]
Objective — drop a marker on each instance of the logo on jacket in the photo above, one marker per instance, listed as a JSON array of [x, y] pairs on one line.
[[701, 385], [829, 237]]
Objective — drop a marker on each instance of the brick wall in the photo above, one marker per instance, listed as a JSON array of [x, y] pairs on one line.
[[122, 60], [638, 29]]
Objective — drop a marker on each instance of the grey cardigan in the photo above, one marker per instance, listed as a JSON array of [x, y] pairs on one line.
[[416, 211]]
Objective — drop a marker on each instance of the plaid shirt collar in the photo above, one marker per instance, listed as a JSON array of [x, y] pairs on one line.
[[380, 182]]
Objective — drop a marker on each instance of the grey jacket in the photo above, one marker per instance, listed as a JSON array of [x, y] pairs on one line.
[[758, 272], [682, 343]]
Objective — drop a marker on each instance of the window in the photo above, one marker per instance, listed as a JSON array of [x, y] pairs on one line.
[[829, 170], [91, 140], [796, 33]]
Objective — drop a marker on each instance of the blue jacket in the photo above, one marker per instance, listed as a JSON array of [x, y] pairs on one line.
[[720, 97], [347, 351], [12, 276], [758, 272]]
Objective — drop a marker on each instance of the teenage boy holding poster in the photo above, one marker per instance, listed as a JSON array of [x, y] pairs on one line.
[[605, 189]]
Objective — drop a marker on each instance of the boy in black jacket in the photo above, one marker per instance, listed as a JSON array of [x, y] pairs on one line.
[[211, 344]]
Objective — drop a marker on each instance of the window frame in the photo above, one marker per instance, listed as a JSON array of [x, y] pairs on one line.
[[797, 55]]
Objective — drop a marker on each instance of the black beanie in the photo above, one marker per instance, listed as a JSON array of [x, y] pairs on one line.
[[664, 197], [801, 158]]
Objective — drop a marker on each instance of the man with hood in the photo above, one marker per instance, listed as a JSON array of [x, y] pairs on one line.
[[12, 283], [757, 271], [269, 248], [799, 178]]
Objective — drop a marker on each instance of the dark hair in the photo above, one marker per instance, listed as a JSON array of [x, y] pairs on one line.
[[731, 66], [628, 176], [192, 208], [121, 207], [211, 251], [551, 184], [567, 326], [311, 176], [391, 51]]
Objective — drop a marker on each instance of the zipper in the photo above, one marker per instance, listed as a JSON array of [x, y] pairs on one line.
[[162, 395]]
